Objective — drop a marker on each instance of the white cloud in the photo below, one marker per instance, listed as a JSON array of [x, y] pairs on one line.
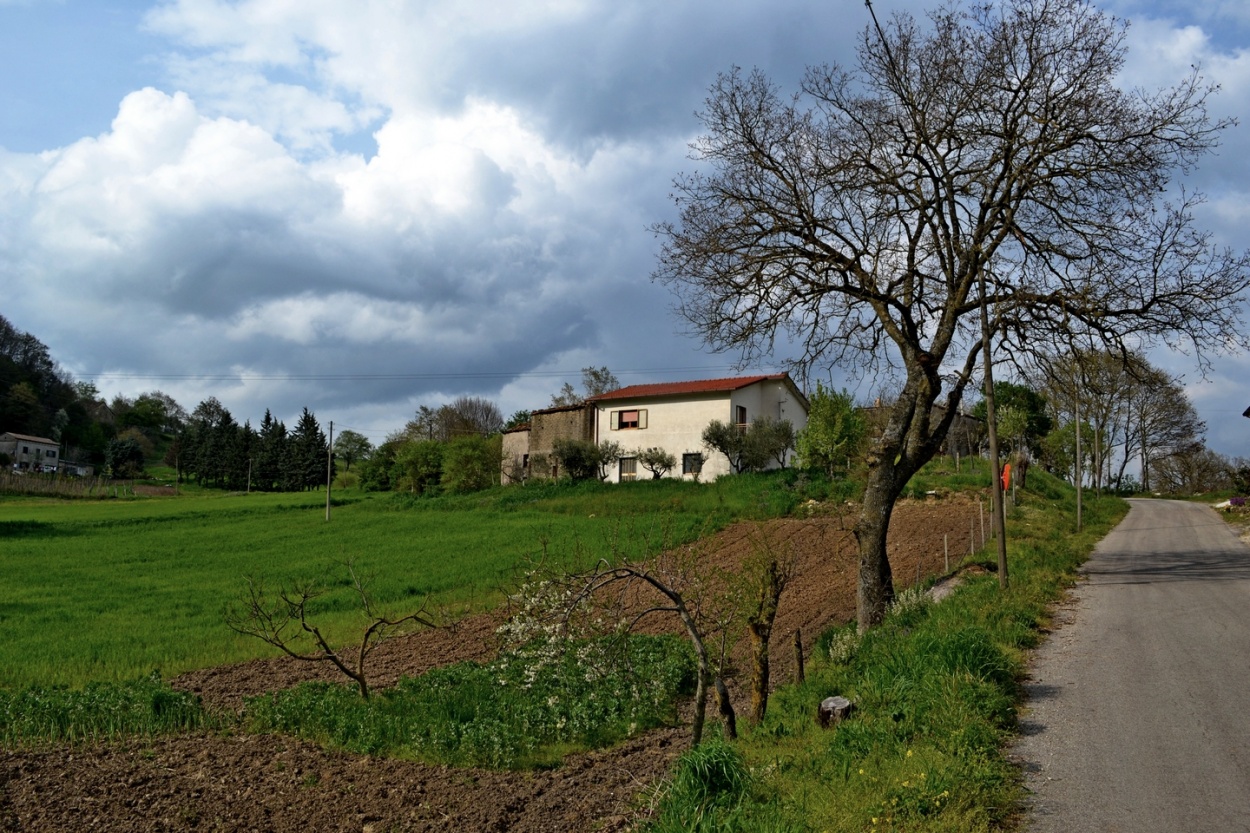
[[468, 242]]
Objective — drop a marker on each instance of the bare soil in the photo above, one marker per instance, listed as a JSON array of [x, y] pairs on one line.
[[212, 782]]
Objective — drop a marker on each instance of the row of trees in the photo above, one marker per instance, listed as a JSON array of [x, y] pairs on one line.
[[455, 447], [1126, 411], [1129, 409], [218, 452], [39, 398]]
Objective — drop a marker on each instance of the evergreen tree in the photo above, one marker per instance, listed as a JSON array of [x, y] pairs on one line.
[[271, 450], [206, 442], [307, 453]]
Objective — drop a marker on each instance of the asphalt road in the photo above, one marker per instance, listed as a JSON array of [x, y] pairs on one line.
[[1139, 703]]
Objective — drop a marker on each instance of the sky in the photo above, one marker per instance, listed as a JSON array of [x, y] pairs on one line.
[[364, 206]]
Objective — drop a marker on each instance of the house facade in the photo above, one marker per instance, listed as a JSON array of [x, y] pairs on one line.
[[30, 453], [673, 415], [669, 415]]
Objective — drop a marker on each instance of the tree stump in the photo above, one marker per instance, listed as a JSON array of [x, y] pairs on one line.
[[833, 710]]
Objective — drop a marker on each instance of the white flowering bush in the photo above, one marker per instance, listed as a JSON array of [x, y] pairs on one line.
[[843, 645], [528, 707]]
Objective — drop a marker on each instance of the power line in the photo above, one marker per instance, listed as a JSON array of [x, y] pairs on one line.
[[350, 377]]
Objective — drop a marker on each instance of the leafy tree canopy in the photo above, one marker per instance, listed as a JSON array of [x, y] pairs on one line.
[[835, 431]]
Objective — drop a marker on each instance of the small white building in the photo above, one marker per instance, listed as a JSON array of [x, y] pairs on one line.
[[673, 415], [30, 453]]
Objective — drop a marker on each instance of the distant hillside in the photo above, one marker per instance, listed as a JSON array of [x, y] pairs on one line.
[[37, 397]]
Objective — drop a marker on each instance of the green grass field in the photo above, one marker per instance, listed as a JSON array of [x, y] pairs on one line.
[[113, 590]]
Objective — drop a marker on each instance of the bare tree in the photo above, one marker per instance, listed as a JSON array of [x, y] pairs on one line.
[[1192, 470], [1134, 409], [465, 416], [595, 380], [989, 160], [284, 623], [1162, 422], [759, 586]]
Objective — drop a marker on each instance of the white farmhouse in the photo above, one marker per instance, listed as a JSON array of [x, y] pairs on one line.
[[30, 453], [672, 416]]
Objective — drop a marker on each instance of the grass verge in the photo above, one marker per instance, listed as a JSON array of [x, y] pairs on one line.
[[936, 690]]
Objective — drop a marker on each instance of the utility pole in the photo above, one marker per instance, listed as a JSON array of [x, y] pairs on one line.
[[998, 521], [1080, 464], [329, 467]]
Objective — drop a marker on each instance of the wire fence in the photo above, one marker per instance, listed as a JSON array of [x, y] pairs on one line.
[[60, 485]]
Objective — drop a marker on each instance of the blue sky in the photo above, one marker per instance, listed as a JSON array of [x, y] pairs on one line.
[[362, 207]]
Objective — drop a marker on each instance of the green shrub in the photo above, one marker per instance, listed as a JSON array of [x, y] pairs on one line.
[[99, 711], [713, 772], [707, 791]]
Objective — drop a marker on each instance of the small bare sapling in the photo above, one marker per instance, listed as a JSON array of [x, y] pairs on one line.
[[283, 621]]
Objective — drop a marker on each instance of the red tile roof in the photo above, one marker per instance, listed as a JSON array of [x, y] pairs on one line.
[[680, 388]]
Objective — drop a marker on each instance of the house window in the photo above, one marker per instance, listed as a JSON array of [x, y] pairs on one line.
[[49, 453], [740, 415], [691, 463], [629, 468], [628, 420]]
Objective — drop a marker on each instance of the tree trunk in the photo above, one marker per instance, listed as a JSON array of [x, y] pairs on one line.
[[876, 582], [1024, 459], [760, 627], [704, 672], [759, 680], [700, 703], [907, 443], [728, 718]]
